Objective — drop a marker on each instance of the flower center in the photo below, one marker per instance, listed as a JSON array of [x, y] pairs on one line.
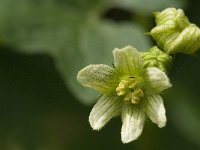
[[130, 90]]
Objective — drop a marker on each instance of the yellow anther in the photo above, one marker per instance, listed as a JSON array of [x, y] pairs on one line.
[[135, 100], [138, 92], [130, 91], [133, 85]]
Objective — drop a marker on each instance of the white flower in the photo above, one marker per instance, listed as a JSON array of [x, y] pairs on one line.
[[129, 90]]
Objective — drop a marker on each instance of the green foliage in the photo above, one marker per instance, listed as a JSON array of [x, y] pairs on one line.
[[73, 37], [73, 32], [146, 7]]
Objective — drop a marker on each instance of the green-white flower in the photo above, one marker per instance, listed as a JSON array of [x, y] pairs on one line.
[[174, 33], [128, 89]]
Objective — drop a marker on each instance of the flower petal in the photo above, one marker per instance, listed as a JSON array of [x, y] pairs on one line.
[[157, 80], [101, 77], [133, 120], [106, 108], [155, 110], [127, 60]]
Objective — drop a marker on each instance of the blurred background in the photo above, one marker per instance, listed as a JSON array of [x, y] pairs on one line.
[[44, 43]]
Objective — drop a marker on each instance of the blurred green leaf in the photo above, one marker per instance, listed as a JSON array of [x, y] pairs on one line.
[[146, 7], [74, 37], [36, 26]]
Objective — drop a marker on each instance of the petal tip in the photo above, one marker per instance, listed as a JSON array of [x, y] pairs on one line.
[[133, 121], [158, 79], [162, 121], [81, 76], [161, 125], [128, 47], [96, 125], [155, 110], [129, 137]]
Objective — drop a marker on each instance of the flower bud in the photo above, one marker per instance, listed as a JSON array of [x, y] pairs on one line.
[[157, 58], [174, 33]]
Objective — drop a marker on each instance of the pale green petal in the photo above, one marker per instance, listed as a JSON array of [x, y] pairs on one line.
[[133, 119], [127, 60], [105, 109], [101, 77], [155, 110], [156, 80]]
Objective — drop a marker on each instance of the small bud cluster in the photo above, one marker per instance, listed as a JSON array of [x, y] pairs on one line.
[[173, 34], [157, 58]]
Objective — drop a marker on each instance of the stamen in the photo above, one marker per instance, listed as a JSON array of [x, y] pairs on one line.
[[135, 100], [130, 91]]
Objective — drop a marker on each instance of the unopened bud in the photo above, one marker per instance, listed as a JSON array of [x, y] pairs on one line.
[[157, 58], [174, 33]]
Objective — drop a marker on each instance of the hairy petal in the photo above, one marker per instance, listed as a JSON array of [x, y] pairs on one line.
[[106, 108], [128, 60], [133, 119], [101, 77], [155, 110], [156, 80]]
